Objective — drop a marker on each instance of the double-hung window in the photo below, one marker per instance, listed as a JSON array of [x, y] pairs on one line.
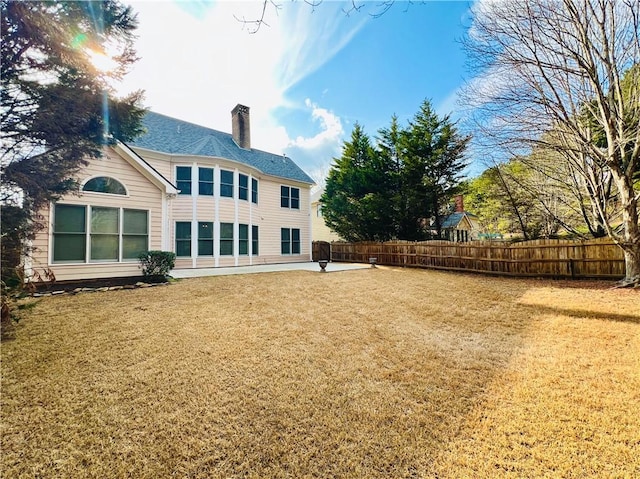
[[290, 197], [254, 190], [183, 238], [243, 239], [289, 241], [226, 239], [254, 240], [226, 183], [205, 181], [113, 234], [243, 187], [69, 234], [205, 238], [135, 233], [183, 179]]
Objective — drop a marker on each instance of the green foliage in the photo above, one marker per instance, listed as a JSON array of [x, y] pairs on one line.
[[394, 190], [156, 265], [58, 109]]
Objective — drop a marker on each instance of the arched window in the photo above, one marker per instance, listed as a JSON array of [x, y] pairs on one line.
[[105, 184]]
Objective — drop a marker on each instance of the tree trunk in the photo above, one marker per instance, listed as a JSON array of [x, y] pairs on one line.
[[630, 238]]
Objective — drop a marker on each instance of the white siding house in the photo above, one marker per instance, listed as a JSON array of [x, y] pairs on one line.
[[204, 194]]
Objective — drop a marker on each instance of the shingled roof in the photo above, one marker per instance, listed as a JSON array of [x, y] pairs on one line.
[[176, 137]]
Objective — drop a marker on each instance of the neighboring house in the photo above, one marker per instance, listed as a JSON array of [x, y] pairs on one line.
[[201, 193], [460, 226], [319, 230]]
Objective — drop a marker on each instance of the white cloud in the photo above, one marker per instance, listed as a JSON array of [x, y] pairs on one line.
[[315, 153]]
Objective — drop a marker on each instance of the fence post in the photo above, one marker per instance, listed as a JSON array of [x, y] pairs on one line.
[[572, 268]]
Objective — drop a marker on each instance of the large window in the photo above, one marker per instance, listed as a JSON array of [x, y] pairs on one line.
[[254, 240], [105, 184], [290, 241], [226, 239], [243, 187], [243, 239], [135, 233], [183, 238], [226, 183], [205, 181], [113, 234], [104, 234], [205, 238], [183, 179], [69, 234], [254, 190], [290, 197]]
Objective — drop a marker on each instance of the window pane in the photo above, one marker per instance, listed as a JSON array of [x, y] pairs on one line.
[[104, 184], [243, 232], [135, 222], [69, 219], [254, 190], [205, 247], [205, 189], [183, 230], [254, 240], [183, 173], [205, 185], [226, 183], [104, 220], [226, 248], [284, 196], [183, 177], [295, 193], [243, 180], [226, 231], [183, 248], [285, 241], [226, 191], [184, 187], [243, 244], [183, 238], [104, 247], [205, 174], [69, 247], [226, 177], [205, 230], [132, 246]]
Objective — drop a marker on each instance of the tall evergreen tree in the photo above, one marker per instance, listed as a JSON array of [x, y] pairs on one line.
[[433, 152], [58, 108], [354, 201], [393, 190]]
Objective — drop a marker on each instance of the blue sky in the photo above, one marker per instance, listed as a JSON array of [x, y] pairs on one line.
[[308, 76]]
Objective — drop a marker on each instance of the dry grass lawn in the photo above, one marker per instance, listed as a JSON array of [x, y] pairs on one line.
[[376, 373]]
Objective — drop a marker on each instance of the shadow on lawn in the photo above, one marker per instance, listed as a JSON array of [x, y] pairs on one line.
[[582, 314]]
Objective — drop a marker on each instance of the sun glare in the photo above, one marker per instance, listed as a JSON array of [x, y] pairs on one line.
[[102, 62]]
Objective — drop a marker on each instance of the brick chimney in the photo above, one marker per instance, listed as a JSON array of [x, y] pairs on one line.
[[240, 126], [459, 204]]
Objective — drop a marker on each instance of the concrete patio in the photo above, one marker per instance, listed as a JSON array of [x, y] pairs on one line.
[[265, 268]]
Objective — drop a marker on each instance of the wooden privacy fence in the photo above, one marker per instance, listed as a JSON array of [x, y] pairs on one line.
[[549, 258]]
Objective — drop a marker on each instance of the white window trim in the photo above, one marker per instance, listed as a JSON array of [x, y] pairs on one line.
[[99, 193]]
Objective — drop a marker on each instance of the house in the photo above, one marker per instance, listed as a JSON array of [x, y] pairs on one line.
[[319, 230], [204, 194], [460, 225]]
